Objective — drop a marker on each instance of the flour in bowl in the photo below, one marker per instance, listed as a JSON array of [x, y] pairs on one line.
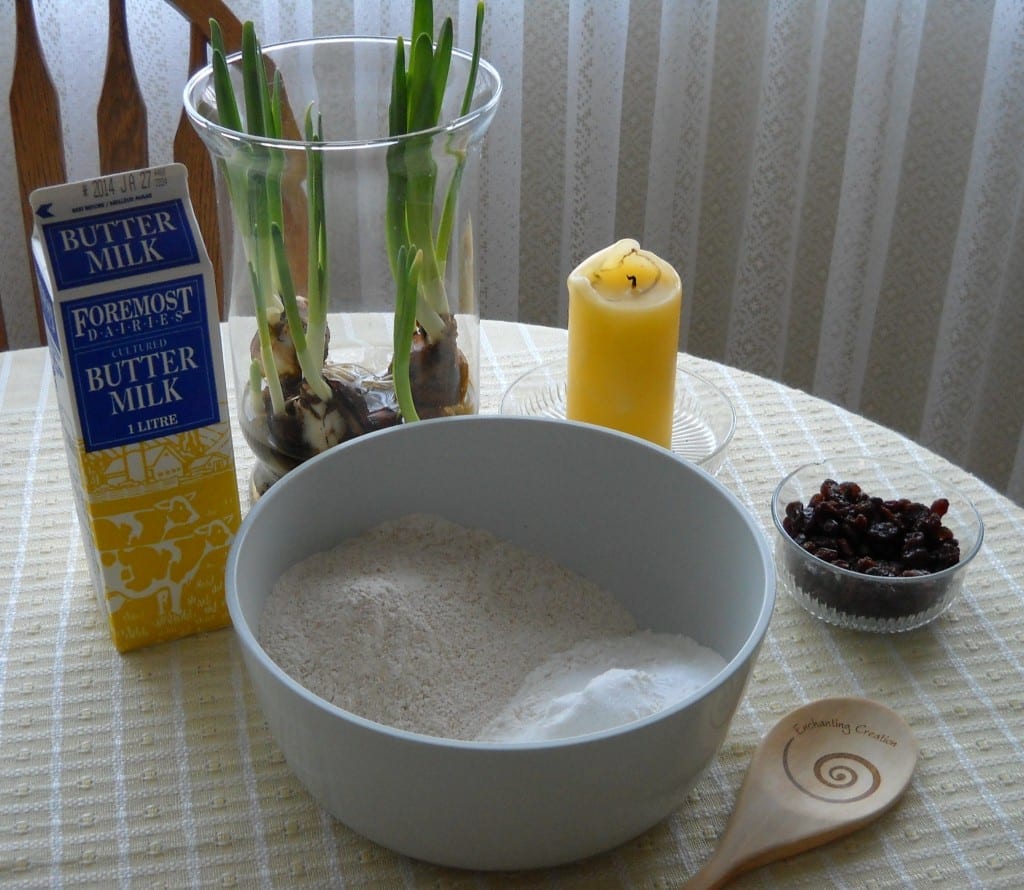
[[427, 626], [598, 684]]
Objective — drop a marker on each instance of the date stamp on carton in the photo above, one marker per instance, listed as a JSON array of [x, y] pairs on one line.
[[131, 314]]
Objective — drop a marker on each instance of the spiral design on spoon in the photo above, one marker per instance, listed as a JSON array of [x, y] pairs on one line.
[[835, 777]]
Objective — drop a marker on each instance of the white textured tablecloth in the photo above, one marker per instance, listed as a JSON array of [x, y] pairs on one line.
[[155, 769]]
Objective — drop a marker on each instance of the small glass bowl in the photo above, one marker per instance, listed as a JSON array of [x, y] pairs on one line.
[[855, 600], [703, 418]]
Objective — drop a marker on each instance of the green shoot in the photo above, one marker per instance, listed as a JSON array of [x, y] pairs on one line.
[[316, 272], [444, 229], [409, 261], [254, 188], [417, 94]]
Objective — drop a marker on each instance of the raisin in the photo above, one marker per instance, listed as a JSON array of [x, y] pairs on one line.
[[851, 491], [916, 559], [884, 538]]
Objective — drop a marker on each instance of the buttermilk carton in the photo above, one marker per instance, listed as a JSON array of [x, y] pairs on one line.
[[130, 307]]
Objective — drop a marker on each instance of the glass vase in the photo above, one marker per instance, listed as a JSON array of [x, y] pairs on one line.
[[311, 298]]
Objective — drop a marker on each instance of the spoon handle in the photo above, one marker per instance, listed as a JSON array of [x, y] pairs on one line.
[[715, 873], [728, 860]]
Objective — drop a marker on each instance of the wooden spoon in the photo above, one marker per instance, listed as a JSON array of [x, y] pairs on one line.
[[823, 771]]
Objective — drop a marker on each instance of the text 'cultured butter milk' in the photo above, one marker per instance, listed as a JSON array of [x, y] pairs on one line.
[[130, 308]]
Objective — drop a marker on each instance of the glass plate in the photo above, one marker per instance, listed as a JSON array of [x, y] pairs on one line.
[[702, 423]]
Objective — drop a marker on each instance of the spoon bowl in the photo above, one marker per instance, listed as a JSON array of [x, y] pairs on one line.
[[823, 771]]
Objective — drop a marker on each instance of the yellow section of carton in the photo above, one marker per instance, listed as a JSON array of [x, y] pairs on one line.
[[161, 515]]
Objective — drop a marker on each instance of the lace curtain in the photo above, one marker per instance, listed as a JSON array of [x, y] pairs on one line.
[[840, 184]]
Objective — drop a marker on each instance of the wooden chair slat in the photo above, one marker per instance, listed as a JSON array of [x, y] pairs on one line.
[[190, 151], [38, 146], [121, 113], [199, 13]]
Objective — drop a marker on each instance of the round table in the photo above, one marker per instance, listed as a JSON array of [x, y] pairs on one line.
[[155, 768]]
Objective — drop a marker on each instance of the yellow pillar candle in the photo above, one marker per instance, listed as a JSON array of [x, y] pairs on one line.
[[624, 306]]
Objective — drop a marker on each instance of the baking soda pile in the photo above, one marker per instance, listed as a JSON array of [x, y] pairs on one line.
[[430, 627]]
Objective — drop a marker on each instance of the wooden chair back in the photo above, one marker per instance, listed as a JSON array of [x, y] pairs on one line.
[[120, 117]]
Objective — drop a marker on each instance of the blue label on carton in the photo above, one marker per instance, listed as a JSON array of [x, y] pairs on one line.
[[141, 362], [46, 302], [109, 246]]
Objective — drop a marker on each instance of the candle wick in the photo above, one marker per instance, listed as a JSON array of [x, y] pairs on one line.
[[632, 279]]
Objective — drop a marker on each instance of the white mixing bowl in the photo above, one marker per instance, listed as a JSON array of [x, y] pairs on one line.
[[673, 544]]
